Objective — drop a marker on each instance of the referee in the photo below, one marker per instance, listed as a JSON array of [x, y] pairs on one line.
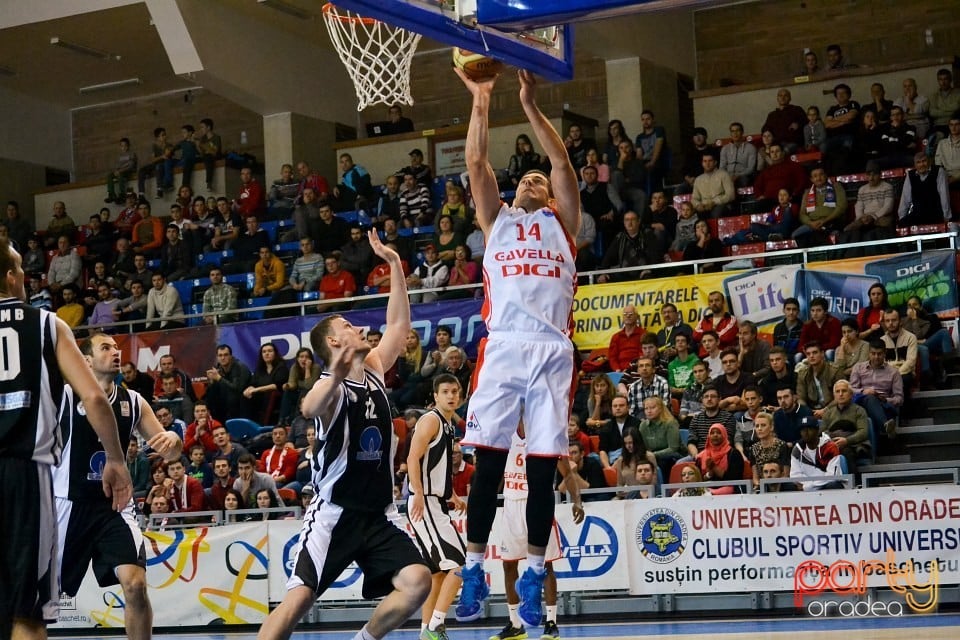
[[37, 355]]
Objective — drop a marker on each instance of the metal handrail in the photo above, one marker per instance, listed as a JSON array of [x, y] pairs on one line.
[[954, 473], [847, 478]]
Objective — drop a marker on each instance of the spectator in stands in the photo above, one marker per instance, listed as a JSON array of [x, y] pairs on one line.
[[524, 159], [710, 353], [249, 202], [128, 217], [65, 267], [719, 460], [686, 229], [250, 482], [227, 448], [738, 157], [595, 201], [123, 170], [477, 243], [651, 146], [210, 148], [754, 354], [680, 368], [932, 338], [617, 426], [948, 152], [662, 219], [815, 455], [446, 239], [780, 376], [916, 108], [673, 325], [354, 191], [331, 233], [814, 132], [164, 309], [283, 192], [851, 349], [222, 484], [615, 135], [731, 383], [693, 162], [589, 473], [577, 146], [184, 197], [786, 122], [629, 179], [944, 103], [139, 468], [379, 276], [661, 433], [815, 381], [421, 172], [200, 431], [870, 316], [405, 245], [878, 105], [763, 152], [647, 385], [456, 208], [310, 179], [690, 474], [624, 347], [925, 199], [232, 500], [430, 274], [20, 230], [335, 284], [307, 269], [782, 173], [147, 236], [899, 140], [397, 123], [841, 125], [304, 372], [599, 409], [61, 224], [787, 418], [575, 434], [878, 388], [690, 402], [176, 258], [388, 203], [434, 359], [408, 370], [846, 422], [219, 299], [835, 59], [184, 492], [745, 420], [462, 472], [713, 190], [464, 271], [649, 348], [822, 328], [869, 142], [247, 245], [874, 208], [709, 412], [227, 227], [174, 399], [225, 384], [416, 207], [901, 348], [266, 383], [280, 460], [134, 306], [627, 465], [97, 240], [766, 448], [824, 206], [306, 217], [456, 364], [187, 148], [717, 319], [269, 274], [38, 296], [103, 311], [161, 151], [305, 458], [168, 366], [71, 311], [633, 247]]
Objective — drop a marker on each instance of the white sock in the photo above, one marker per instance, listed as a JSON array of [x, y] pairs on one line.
[[536, 563], [436, 619], [513, 610], [363, 634], [423, 625], [552, 613], [474, 558]]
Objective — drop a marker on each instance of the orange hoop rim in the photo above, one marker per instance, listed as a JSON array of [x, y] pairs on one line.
[[331, 10]]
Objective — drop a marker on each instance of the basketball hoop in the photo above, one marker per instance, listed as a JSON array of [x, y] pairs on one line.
[[377, 56]]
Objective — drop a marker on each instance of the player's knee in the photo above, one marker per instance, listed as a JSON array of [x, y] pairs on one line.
[[415, 580], [135, 588]]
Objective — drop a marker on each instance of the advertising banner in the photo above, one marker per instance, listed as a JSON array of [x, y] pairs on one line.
[[758, 295], [195, 577], [791, 541], [845, 293]]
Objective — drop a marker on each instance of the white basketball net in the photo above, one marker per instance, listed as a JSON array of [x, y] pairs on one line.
[[377, 56]]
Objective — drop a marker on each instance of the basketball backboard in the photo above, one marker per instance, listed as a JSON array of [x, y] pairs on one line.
[[546, 50], [511, 15]]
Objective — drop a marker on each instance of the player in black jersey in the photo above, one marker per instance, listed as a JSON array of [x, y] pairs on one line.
[[349, 518], [88, 529], [430, 470], [37, 353]]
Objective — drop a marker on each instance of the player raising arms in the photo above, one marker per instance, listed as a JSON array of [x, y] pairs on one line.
[[353, 475], [525, 365], [430, 470], [88, 527]]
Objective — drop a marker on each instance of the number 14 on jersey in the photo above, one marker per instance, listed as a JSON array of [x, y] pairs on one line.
[[533, 231]]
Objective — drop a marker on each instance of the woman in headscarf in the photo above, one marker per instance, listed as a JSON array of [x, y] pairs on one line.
[[719, 460]]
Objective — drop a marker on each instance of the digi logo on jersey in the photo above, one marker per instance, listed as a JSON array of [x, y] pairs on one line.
[[529, 262], [97, 462], [595, 551], [350, 575], [371, 444], [662, 536]]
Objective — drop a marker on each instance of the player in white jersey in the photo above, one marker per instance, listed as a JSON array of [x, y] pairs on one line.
[[525, 365], [430, 471], [513, 543]]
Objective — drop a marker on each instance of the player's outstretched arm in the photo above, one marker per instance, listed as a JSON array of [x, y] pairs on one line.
[[166, 443], [116, 478], [393, 342], [566, 188], [423, 433], [483, 183]]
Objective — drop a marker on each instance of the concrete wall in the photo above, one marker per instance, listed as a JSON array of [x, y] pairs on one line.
[[34, 131]]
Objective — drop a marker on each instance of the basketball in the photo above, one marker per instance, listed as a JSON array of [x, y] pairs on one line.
[[478, 67]]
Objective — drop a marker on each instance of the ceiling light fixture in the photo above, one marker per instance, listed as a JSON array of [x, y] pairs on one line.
[[80, 48], [106, 86], [287, 8]]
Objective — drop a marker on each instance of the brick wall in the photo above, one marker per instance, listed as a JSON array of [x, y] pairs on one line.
[[764, 41], [96, 130]]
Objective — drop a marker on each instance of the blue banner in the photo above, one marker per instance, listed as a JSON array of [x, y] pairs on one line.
[[846, 294], [930, 275], [289, 334]]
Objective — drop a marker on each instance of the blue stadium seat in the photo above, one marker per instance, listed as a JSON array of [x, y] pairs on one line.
[[252, 303], [287, 248], [270, 226], [615, 377], [213, 258], [684, 436], [153, 264], [241, 429], [309, 295]]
